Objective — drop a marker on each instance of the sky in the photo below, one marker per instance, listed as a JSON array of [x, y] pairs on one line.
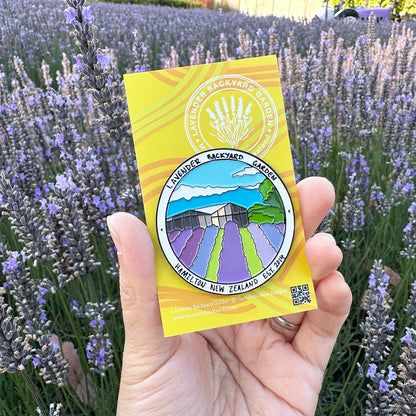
[[223, 173]]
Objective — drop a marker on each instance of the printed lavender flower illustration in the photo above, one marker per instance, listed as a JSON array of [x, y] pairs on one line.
[[231, 120]]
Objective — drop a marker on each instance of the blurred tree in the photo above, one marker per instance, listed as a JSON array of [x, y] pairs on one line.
[[402, 7], [407, 7], [350, 3]]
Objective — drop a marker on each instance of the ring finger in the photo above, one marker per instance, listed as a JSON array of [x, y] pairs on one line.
[[324, 257]]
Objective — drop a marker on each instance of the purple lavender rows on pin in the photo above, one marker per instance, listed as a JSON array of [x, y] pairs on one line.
[[180, 242], [265, 250], [233, 263], [282, 227], [189, 252], [200, 264], [273, 234], [173, 235]]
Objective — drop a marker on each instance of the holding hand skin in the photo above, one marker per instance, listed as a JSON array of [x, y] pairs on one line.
[[255, 368]]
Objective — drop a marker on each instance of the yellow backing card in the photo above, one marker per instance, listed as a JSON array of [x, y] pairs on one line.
[[219, 193]]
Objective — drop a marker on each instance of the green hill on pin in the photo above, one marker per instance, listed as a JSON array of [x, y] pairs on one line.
[[272, 210]]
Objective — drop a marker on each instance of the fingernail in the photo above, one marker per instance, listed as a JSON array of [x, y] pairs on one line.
[[340, 275], [114, 235]]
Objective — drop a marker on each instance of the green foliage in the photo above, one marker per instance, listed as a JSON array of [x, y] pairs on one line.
[[400, 7], [350, 3], [272, 212], [404, 7], [262, 213], [270, 194]]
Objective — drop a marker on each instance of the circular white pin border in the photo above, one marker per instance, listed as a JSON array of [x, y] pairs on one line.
[[186, 274]]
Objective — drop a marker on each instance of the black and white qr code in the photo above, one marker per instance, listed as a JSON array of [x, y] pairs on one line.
[[300, 295]]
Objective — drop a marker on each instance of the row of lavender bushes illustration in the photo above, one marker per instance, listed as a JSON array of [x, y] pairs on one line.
[[67, 162], [194, 248]]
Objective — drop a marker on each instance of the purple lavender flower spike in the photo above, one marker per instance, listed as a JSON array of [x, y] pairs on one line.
[[377, 327], [409, 234], [371, 370], [99, 353], [405, 391], [71, 16], [15, 349], [378, 330], [52, 366]]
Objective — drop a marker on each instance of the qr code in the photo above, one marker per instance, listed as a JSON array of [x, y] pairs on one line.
[[300, 295]]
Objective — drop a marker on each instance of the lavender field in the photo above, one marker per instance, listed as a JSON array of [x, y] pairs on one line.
[[67, 162]]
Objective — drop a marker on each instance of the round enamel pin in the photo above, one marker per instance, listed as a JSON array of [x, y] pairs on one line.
[[225, 221]]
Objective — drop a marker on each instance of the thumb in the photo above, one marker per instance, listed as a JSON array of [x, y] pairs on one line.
[[145, 347]]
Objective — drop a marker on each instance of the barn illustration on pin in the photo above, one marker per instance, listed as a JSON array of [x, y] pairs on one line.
[[217, 215]]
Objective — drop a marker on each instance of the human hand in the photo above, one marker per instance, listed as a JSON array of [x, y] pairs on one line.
[[255, 368]]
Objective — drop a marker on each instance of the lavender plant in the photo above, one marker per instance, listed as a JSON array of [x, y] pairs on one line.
[[405, 392], [379, 392], [48, 357], [378, 334], [388, 393], [28, 296], [103, 82], [54, 410], [378, 327], [98, 350], [410, 308], [409, 234], [15, 349]]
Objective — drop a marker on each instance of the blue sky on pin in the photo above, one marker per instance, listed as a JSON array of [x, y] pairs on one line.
[[223, 173]]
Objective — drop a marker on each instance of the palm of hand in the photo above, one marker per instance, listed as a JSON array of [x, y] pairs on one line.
[[246, 369]]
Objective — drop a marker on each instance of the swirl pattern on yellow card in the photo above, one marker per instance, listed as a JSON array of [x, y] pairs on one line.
[[219, 193]]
